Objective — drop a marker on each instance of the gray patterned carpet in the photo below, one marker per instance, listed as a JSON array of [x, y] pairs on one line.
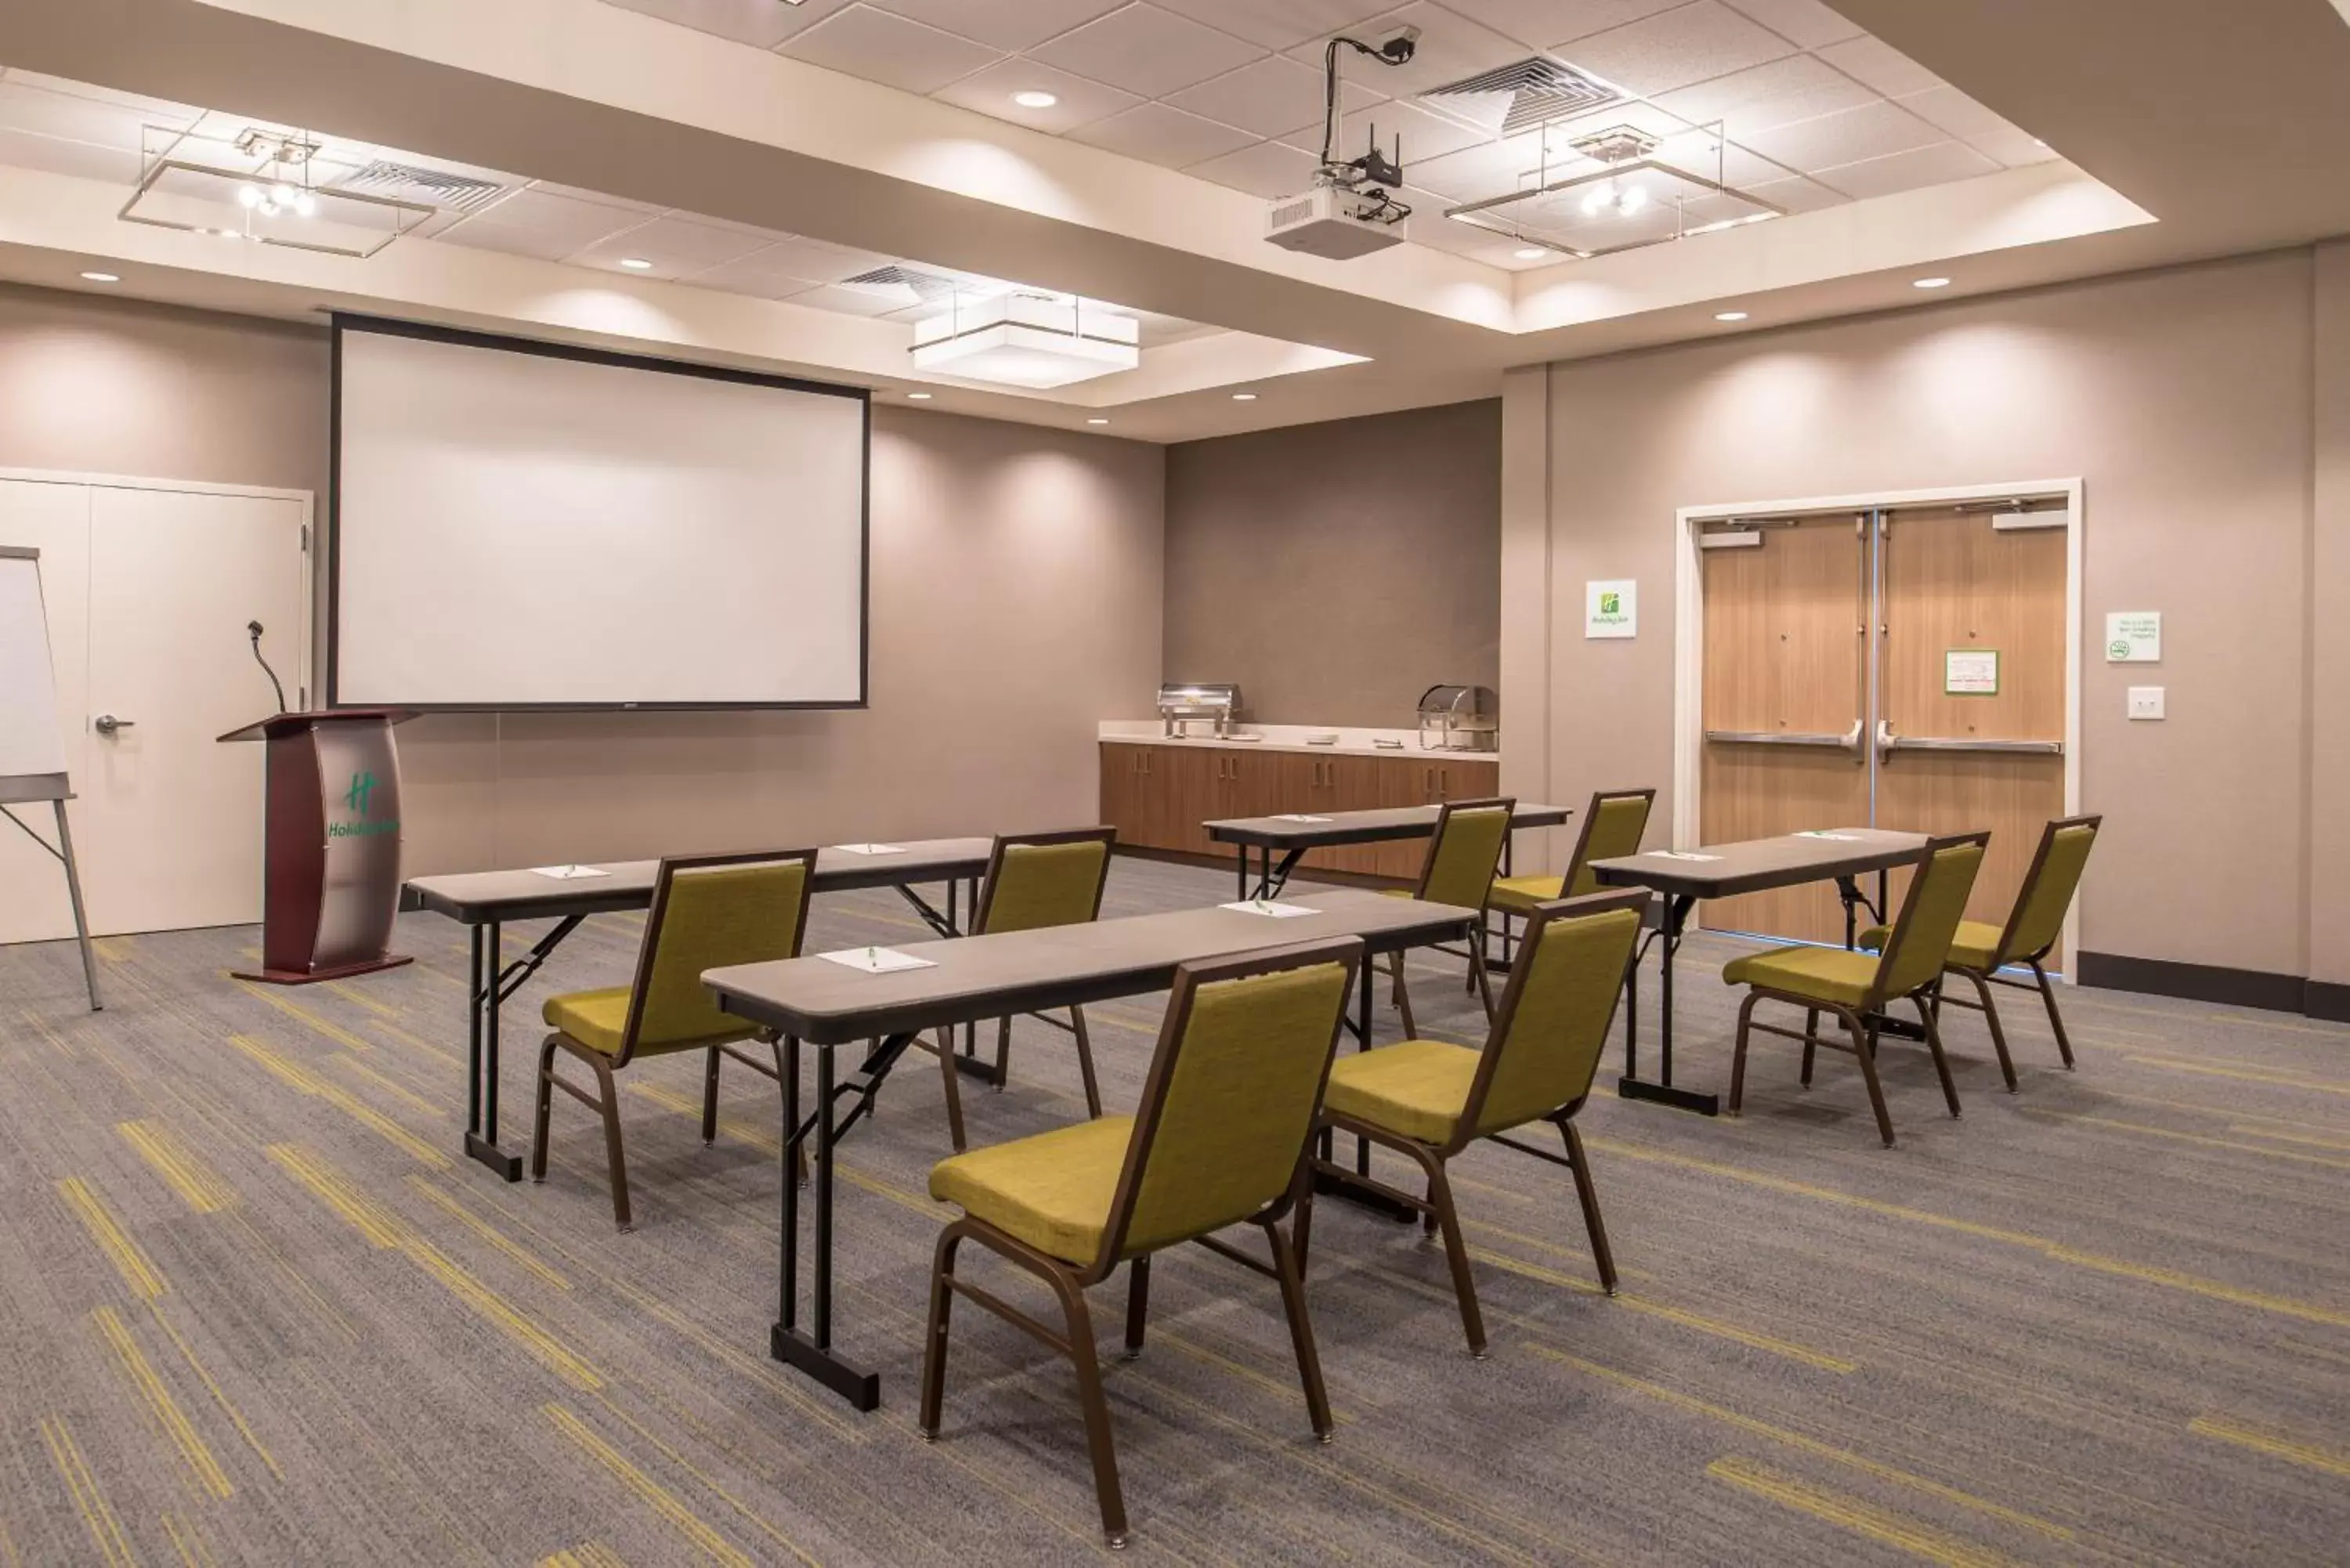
[[253, 1308]]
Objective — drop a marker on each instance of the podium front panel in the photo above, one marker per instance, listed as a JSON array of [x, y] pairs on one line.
[[359, 787]]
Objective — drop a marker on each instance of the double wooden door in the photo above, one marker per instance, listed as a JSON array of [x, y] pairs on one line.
[[1901, 668]]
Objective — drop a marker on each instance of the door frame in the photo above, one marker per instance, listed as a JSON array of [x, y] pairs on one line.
[[307, 500], [1689, 631]]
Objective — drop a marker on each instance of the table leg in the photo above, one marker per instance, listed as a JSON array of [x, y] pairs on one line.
[[488, 990], [1662, 1092], [811, 1351], [1335, 1184]]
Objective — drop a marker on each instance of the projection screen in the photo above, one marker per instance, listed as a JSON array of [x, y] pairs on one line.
[[516, 525]]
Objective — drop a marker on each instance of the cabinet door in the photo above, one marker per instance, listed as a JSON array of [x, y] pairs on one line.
[[1309, 786], [1253, 784], [1193, 785], [1123, 803]]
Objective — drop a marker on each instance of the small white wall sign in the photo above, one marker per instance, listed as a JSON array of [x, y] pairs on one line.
[[1611, 608], [1971, 672], [2134, 637]]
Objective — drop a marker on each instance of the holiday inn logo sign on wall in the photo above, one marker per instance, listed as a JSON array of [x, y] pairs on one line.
[[356, 799]]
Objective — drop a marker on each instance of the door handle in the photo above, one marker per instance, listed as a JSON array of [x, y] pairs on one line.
[[1889, 743], [106, 723]]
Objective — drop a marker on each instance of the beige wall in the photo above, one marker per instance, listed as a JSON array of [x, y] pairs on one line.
[[2183, 400], [1015, 603], [1337, 570]]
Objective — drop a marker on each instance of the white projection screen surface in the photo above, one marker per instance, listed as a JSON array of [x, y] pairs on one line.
[[518, 529]]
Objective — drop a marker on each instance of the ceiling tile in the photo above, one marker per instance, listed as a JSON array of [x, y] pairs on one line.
[[1700, 153], [1543, 24], [1796, 194], [1267, 170], [1158, 133], [1272, 97], [990, 91], [1934, 165], [1764, 97], [158, 110], [881, 47], [1147, 50], [849, 301], [675, 245], [45, 112], [762, 24], [1642, 116], [56, 155], [1806, 24], [789, 266], [1005, 24], [1948, 109], [744, 278], [2013, 148], [1487, 169], [1872, 131], [1876, 64], [1425, 135], [1282, 25], [539, 223], [1451, 48], [1676, 48], [601, 198]]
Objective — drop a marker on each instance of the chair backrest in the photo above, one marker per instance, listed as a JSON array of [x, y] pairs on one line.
[[1234, 1089], [2038, 918], [1036, 880], [1936, 901], [1465, 852], [1612, 827], [1552, 1025], [708, 911]]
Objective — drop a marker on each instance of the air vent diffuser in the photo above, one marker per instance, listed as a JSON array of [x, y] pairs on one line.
[[426, 187], [1539, 90]]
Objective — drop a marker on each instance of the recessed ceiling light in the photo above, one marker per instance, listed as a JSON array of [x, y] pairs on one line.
[[1096, 421], [1530, 253], [919, 397], [1931, 282], [1034, 99], [636, 264], [102, 277], [1730, 316]]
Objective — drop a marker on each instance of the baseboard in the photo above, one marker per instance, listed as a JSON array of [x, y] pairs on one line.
[[2328, 1000], [2209, 982]]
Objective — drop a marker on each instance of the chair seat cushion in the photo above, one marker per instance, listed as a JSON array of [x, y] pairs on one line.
[[1051, 1190], [1519, 895], [599, 1021], [1972, 949], [1415, 1088], [1828, 974]]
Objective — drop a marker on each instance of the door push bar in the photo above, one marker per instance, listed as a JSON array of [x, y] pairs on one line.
[[1848, 742], [1889, 743]]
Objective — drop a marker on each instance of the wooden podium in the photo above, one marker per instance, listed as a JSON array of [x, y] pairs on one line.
[[331, 885]]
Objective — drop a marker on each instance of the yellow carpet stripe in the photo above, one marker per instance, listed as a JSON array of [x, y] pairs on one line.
[[398, 1091], [39, 1026], [386, 1230], [2248, 1076], [587, 1554], [295, 1010], [1798, 1441], [111, 1239], [728, 1497], [2315, 1140], [2333, 1461], [187, 1544], [658, 1498], [211, 1386], [165, 1409], [2284, 1306], [770, 1144], [352, 993], [1729, 1331], [2199, 1139], [1877, 1524], [181, 1171], [302, 1081], [487, 1232], [96, 1513]]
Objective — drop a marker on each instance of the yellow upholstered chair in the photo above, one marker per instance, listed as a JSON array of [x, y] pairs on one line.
[[1219, 1139], [708, 910], [1464, 854], [1978, 951], [1034, 880], [1431, 1100], [1856, 987], [1612, 827]]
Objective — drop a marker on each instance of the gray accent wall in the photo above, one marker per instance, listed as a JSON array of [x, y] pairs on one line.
[[1336, 570]]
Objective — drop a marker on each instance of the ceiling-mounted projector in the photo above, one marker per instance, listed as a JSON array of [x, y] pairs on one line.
[[1352, 209]]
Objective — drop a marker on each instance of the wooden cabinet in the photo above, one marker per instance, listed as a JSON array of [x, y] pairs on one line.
[[1157, 795]]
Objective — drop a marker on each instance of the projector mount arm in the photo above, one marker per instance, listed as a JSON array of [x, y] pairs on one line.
[[1373, 166]]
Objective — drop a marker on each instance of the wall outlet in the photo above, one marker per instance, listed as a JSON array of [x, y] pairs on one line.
[[2145, 702]]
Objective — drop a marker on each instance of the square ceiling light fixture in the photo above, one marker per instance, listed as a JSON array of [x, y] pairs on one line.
[[1027, 340], [270, 200], [1615, 195]]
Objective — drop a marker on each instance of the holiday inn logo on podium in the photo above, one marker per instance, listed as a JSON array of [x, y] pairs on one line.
[[356, 799]]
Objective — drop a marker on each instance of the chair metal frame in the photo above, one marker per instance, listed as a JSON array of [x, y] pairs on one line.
[[1862, 1022], [2005, 954], [1438, 1210], [1575, 862], [1473, 950], [1068, 1282], [606, 1101]]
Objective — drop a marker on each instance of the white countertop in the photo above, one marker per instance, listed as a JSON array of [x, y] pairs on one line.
[[1350, 742]]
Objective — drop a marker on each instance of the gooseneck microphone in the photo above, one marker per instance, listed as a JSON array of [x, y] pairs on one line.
[[252, 630]]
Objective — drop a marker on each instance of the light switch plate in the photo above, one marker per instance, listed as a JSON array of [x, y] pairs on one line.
[[2145, 702]]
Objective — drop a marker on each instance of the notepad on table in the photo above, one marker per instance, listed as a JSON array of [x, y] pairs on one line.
[[1298, 816], [870, 849], [1838, 838], [1270, 908], [877, 960], [1681, 855], [566, 873]]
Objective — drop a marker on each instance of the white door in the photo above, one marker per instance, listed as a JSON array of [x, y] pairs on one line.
[[168, 828], [54, 520]]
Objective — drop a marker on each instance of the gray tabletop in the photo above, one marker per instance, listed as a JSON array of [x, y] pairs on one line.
[[476, 898], [1756, 864], [1380, 825], [827, 1003]]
